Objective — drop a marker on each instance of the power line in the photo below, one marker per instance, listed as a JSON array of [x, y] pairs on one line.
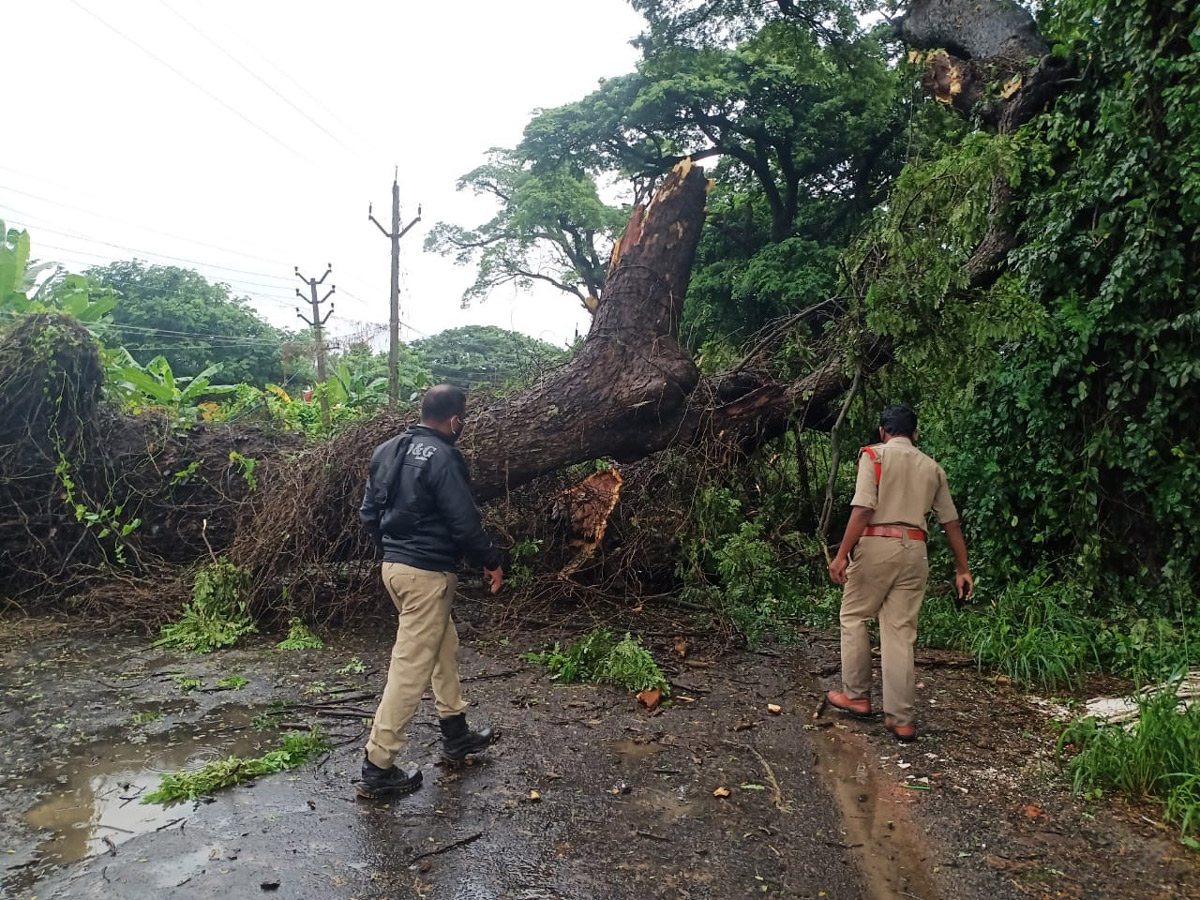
[[197, 85], [35, 220], [233, 282], [253, 74], [148, 228]]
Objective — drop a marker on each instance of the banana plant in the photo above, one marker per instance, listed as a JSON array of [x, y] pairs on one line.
[[155, 385], [21, 291]]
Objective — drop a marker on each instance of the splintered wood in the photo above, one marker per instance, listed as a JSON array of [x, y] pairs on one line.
[[585, 509]]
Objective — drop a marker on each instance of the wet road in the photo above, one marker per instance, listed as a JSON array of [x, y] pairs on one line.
[[625, 802]]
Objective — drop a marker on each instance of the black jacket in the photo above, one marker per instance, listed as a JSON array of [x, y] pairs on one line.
[[418, 504]]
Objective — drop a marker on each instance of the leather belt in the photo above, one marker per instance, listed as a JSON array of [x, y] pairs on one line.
[[893, 531]]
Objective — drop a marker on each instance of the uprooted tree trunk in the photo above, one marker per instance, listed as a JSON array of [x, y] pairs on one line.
[[632, 390]]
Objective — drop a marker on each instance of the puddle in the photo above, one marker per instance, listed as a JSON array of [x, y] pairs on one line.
[[889, 847], [633, 752], [96, 803], [670, 806]]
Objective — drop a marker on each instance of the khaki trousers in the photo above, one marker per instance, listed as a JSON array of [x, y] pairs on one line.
[[426, 651], [886, 578]]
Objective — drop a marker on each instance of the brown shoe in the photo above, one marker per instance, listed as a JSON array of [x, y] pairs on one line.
[[858, 708], [905, 734]]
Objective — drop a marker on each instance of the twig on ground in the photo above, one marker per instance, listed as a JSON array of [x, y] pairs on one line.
[[471, 838], [652, 836], [776, 790]]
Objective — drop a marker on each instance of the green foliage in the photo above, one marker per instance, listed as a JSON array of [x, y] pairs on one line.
[[216, 616], [484, 355], [102, 521], [295, 750], [1063, 399], [300, 637], [45, 287], [1038, 634], [169, 306], [270, 718], [232, 682], [942, 624], [1158, 757], [521, 556], [187, 683], [736, 564], [246, 466], [354, 667], [147, 716], [156, 386], [600, 658], [551, 227]]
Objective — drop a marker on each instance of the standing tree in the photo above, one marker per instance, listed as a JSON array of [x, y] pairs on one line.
[[551, 226], [177, 313]]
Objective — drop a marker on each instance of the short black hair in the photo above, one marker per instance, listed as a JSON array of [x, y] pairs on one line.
[[442, 402], [899, 420]]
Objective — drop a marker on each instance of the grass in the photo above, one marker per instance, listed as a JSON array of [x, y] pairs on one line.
[[232, 682], [600, 658], [1158, 757], [1037, 634], [295, 749], [300, 637], [147, 716], [1041, 634], [216, 616]]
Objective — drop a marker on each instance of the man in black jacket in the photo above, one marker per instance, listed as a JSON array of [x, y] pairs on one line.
[[419, 508]]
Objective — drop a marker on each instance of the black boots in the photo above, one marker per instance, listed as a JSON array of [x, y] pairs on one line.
[[459, 742], [379, 783]]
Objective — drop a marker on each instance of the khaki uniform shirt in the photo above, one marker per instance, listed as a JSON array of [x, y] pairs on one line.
[[911, 484]]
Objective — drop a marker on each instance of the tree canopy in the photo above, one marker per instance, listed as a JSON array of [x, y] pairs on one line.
[[178, 313], [485, 356]]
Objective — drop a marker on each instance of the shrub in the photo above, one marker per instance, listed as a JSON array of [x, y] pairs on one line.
[[216, 615], [600, 658], [300, 637]]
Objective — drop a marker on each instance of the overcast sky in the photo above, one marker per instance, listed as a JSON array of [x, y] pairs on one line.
[[192, 159]]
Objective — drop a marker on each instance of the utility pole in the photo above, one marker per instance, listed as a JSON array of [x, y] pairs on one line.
[[317, 324], [394, 320]]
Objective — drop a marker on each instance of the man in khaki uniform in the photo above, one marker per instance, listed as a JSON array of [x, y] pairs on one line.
[[882, 562], [419, 509]]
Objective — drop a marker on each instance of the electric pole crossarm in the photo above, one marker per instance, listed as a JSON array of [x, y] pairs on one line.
[[408, 228]]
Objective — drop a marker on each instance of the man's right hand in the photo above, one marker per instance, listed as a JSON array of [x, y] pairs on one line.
[[837, 569], [494, 578], [965, 583]]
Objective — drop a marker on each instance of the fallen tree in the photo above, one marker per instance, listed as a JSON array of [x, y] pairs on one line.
[[631, 391]]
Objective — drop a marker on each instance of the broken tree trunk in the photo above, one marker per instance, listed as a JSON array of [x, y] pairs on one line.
[[975, 44], [632, 390]]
